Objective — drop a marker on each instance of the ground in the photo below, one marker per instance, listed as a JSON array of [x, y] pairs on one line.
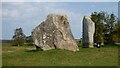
[[28, 56]]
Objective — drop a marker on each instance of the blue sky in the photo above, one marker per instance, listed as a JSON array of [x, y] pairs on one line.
[[30, 14], [60, 0]]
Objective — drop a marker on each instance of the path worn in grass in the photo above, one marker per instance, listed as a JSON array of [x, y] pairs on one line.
[[27, 56]]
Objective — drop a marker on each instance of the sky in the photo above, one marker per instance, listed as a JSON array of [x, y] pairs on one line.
[[60, 0], [28, 15]]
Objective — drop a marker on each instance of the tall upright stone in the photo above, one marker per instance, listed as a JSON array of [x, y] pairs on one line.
[[88, 32], [53, 33]]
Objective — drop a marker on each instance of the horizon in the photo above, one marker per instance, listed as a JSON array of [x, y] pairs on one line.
[[28, 15]]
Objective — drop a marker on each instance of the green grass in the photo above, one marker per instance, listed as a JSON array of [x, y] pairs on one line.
[[27, 56]]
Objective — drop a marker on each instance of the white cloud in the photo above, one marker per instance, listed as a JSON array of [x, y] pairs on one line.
[[5, 12], [19, 10], [10, 13], [17, 4], [0, 12], [28, 15], [14, 13], [93, 6], [0, 23], [60, 0], [13, 1], [75, 19], [28, 11]]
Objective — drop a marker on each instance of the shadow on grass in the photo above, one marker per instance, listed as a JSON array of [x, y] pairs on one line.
[[32, 50]]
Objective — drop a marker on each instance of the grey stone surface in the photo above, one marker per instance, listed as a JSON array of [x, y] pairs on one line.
[[88, 32], [53, 33]]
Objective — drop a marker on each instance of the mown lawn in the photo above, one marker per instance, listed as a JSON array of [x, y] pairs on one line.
[[27, 56]]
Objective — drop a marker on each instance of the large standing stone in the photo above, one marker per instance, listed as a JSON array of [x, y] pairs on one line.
[[88, 32], [53, 33]]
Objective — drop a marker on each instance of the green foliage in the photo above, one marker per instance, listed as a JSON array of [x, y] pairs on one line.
[[98, 18], [105, 29], [79, 43], [18, 37], [29, 41], [116, 36], [110, 29]]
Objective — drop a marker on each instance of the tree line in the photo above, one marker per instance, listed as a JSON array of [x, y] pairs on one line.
[[19, 38], [107, 28]]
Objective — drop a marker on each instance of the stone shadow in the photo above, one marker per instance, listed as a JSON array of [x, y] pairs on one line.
[[34, 50]]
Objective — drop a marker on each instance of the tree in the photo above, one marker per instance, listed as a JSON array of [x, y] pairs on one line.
[[110, 28], [118, 31], [18, 37], [105, 29], [29, 40], [98, 19], [116, 36]]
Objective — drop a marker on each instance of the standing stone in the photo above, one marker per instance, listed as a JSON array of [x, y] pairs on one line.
[[88, 32], [53, 33]]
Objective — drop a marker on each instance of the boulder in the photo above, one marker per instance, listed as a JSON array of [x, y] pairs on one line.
[[53, 33], [88, 32]]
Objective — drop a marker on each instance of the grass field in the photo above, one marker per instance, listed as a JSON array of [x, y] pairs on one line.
[[28, 56]]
